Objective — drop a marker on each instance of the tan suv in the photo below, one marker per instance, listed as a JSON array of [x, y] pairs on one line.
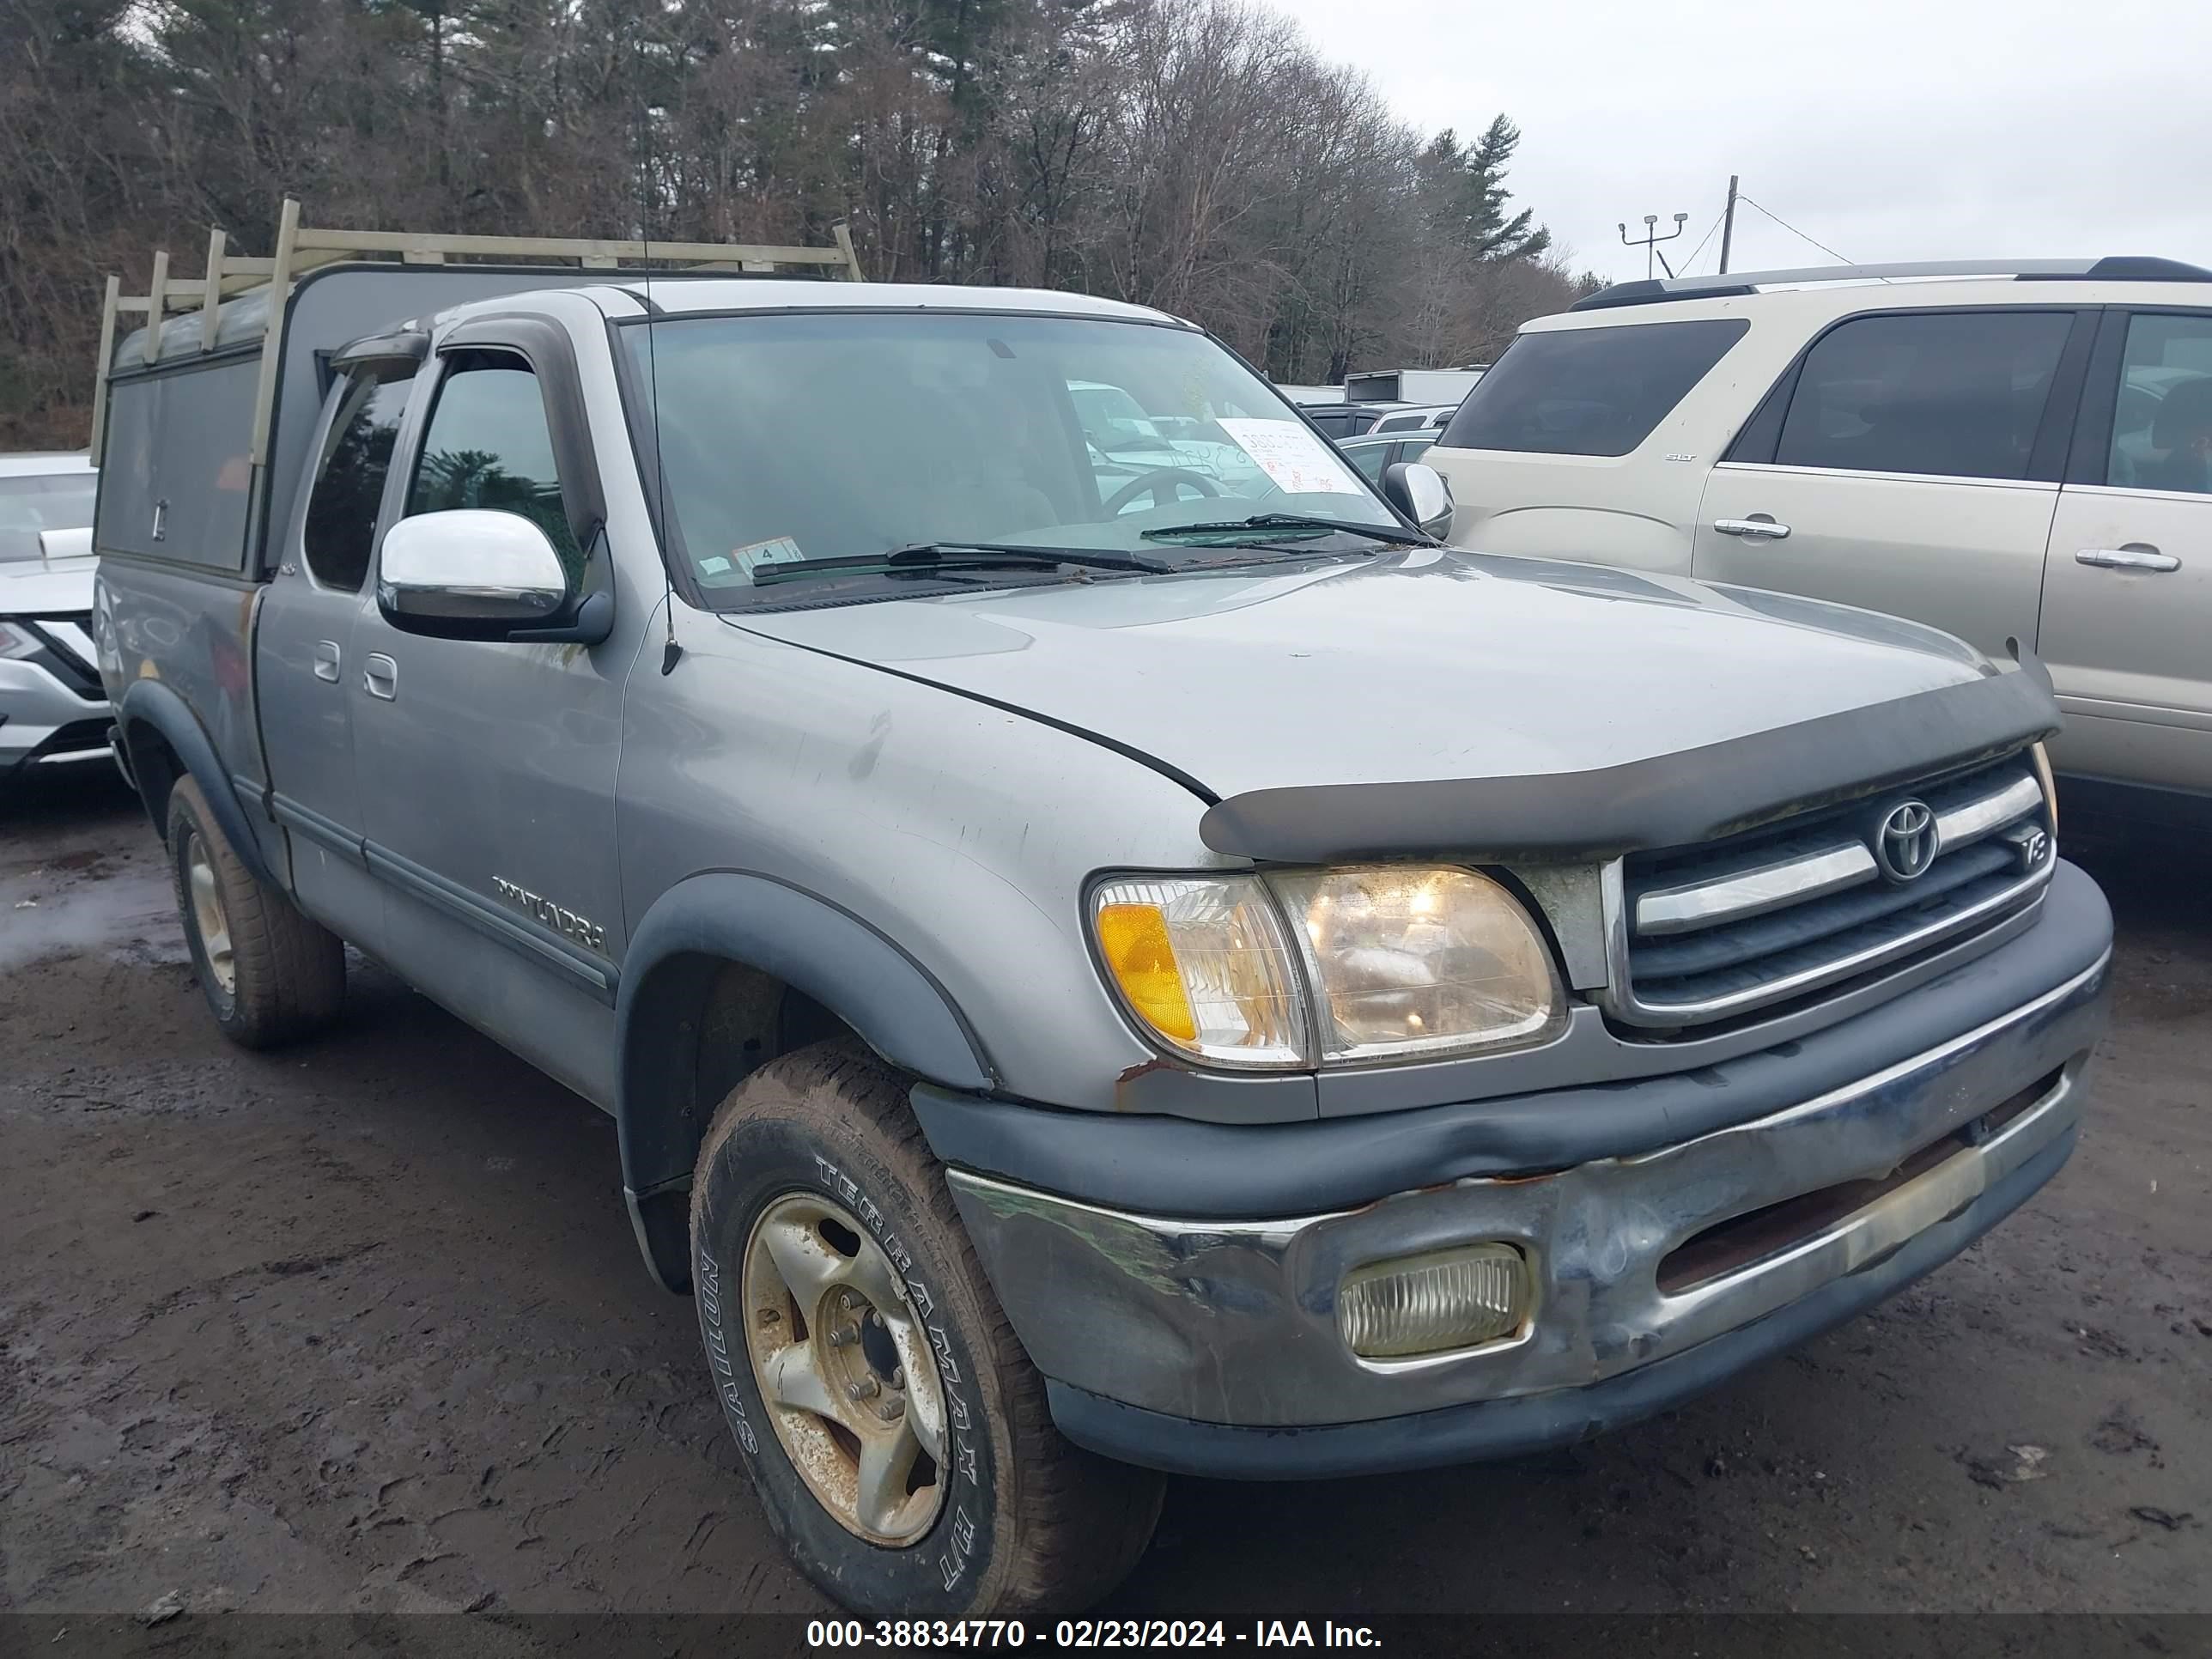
[[2016, 453]]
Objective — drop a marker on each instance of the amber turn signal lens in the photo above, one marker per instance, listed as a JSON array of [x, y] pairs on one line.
[[1134, 938], [1202, 963]]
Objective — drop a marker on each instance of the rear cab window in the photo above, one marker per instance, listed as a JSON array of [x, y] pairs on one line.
[[1589, 390], [348, 487]]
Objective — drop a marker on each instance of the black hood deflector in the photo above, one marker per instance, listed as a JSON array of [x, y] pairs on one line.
[[1665, 800]]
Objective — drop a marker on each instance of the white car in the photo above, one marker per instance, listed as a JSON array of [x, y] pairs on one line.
[[52, 709], [2020, 455], [1422, 417]]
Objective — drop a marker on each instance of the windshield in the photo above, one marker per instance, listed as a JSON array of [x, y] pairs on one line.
[[53, 501], [842, 435]]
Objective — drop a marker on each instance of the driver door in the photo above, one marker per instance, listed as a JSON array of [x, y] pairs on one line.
[[487, 768]]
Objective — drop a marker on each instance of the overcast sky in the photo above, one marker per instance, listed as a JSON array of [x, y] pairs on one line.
[[1950, 129]]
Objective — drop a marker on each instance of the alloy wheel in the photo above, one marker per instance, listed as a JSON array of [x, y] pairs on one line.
[[844, 1364]]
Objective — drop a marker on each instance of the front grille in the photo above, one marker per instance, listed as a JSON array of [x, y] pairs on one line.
[[1782, 915], [66, 651]]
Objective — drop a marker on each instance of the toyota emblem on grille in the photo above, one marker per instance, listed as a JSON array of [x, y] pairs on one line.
[[1904, 845]]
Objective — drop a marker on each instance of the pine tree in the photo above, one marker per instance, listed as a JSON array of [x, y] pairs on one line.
[[1463, 187]]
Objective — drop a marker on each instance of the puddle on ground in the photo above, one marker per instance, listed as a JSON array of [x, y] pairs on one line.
[[125, 911]]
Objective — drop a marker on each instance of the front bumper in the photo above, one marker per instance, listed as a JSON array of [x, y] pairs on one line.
[[44, 721], [1212, 1346]]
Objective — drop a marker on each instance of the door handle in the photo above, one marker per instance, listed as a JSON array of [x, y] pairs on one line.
[[2128, 558], [1757, 527], [326, 660], [380, 676]]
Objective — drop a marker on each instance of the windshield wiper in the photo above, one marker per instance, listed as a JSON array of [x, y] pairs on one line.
[[1294, 526], [921, 557]]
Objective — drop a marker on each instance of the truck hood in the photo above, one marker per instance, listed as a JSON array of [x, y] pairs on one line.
[[1408, 668], [46, 588]]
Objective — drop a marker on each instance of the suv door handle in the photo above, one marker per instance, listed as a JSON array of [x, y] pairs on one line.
[[2128, 558], [326, 660], [1757, 527], [380, 675]]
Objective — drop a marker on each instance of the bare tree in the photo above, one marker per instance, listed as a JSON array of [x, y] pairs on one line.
[[1194, 154]]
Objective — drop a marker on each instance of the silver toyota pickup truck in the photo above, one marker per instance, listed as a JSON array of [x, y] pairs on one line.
[[1097, 970]]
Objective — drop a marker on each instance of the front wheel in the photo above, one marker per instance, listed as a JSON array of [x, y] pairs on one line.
[[895, 1429]]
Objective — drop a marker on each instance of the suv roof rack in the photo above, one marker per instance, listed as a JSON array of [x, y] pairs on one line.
[[2114, 268], [301, 248]]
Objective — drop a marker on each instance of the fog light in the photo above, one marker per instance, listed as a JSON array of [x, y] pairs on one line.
[[1431, 1303]]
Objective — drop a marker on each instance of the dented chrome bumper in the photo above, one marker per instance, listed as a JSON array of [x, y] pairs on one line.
[[1233, 1323]]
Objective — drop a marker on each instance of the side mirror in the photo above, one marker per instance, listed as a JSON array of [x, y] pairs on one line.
[[1422, 497], [475, 574]]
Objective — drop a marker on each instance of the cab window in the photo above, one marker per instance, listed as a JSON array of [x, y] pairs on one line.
[[488, 445], [349, 486]]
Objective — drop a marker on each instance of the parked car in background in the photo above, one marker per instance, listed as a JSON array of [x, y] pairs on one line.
[[52, 709], [1340, 420], [1422, 417], [1371, 454], [1358, 419], [2013, 453], [41, 492]]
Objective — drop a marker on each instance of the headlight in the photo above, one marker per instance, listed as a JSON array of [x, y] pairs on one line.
[[18, 641], [1406, 963], [1410, 962], [1202, 963]]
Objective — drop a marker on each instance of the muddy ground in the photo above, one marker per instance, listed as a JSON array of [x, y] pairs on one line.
[[360, 1326]]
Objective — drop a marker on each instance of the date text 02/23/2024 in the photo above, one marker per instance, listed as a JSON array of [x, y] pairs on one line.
[[1071, 1633]]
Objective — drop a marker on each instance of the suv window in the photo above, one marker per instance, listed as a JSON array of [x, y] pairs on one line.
[[2162, 426], [1589, 391], [488, 445], [341, 524], [1370, 459], [1956, 394]]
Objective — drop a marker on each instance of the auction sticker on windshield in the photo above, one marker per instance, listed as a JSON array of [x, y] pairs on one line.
[[738, 570], [1296, 459]]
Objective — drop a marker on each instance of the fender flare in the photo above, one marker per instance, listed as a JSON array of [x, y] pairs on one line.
[[149, 702], [690, 933]]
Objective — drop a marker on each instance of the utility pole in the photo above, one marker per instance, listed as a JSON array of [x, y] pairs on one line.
[[1728, 225], [1649, 241]]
